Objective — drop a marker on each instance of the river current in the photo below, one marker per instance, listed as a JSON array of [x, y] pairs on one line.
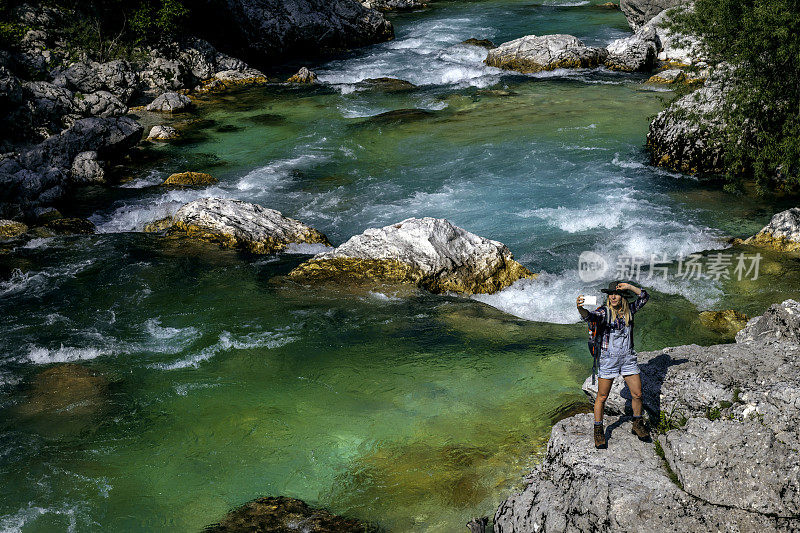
[[223, 381]]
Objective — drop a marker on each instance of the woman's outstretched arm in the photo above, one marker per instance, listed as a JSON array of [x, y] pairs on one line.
[[641, 296]]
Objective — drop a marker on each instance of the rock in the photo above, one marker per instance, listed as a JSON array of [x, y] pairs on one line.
[[782, 233], [672, 47], [622, 488], [609, 5], [668, 76], [640, 12], [428, 252], [303, 76], [483, 43], [546, 52], [281, 514], [392, 5], [687, 136], [71, 226], [388, 85], [397, 116], [190, 179], [45, 215], [478, 525], [87, 169], [169, 103], [736, 464], [48, 107], [162, 74], [162, 133], [726, 322], [65, 388], [99, 104], [237, 224], [275, 30], [635, 53], [10, 229], [779, 322], [237, 76]]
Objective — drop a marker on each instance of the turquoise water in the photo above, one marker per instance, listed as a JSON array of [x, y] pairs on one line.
[[222, 381]]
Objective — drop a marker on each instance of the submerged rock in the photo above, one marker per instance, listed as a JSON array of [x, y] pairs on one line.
[[727, 322], [67, 388], [303, 76], [547, 52], [431, 253], [71, 226], [782, 233], [169, 103], [282, 514], [388, 85], [190, 179], [237, 224], [162, 133], [483, 43], [399, 116]]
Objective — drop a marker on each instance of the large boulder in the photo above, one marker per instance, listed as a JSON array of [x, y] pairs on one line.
[[688, 135], [99, 104], [237, 224], [726, 452], [431, 253], [547, 52], [169, 103], [635, 53], [269, 31], [782, 233], [674, 47]]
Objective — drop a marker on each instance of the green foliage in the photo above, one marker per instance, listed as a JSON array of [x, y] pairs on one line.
[[736, 395], [761, 38], [713, 413], [670, 473], [670, 420]]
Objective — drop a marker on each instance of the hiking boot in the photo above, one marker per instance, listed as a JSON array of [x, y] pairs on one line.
[[599, 436], [639, 429]]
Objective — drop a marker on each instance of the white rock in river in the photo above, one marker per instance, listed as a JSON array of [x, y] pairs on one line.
[[634, 53], [431, 253], [546, 52], [169, 103], [162, 133], [237, 224], [782, 233]]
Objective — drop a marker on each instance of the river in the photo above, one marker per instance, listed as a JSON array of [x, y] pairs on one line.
[[223, 381]]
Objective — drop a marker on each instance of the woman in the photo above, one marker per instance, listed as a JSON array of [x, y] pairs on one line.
[[614, 321]]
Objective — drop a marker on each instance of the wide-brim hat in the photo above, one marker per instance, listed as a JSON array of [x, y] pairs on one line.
[[612, 289]]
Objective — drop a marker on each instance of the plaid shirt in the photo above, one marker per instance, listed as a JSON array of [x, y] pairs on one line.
[[599, 317]]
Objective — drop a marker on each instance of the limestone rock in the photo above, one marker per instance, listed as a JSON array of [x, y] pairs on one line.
[[303, 76], [163, 74], [392, 5], [10, 229], [71, 226], [779, 322], [428, 252], [727, 322], [622, 488], [483, 43], [547, 52], [635, 53], [65, 388], [735, 463], [87, 169], [277, 29], [388, 85], [687, 135], [673, 47], [782, 233], [668, 76], [162, 133], [640, 12], [190, 179], [99, 104], [169, 103], [280, 514], [237, 224]]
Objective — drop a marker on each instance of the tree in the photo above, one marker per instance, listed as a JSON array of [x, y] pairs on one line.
[[761, 39]]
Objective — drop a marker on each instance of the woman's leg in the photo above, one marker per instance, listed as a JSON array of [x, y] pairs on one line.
[[634, 383], [603, 388]]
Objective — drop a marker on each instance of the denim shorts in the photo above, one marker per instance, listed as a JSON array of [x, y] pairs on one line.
[[614, 364]]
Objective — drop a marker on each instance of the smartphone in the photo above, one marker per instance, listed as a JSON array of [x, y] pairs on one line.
[[590, 300]]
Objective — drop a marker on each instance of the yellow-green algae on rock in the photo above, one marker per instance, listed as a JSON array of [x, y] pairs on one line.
[[432, 254], [781, 234], [10, 229], [190, 179], [237, 224], [727, 322]]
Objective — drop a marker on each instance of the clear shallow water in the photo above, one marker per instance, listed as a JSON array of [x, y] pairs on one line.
[[225, 381]]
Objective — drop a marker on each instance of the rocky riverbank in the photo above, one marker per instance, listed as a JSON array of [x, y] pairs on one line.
[[64, 114], [725, 452]]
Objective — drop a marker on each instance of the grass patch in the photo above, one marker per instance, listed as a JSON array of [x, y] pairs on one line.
[[670, 473], [670, 420]]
